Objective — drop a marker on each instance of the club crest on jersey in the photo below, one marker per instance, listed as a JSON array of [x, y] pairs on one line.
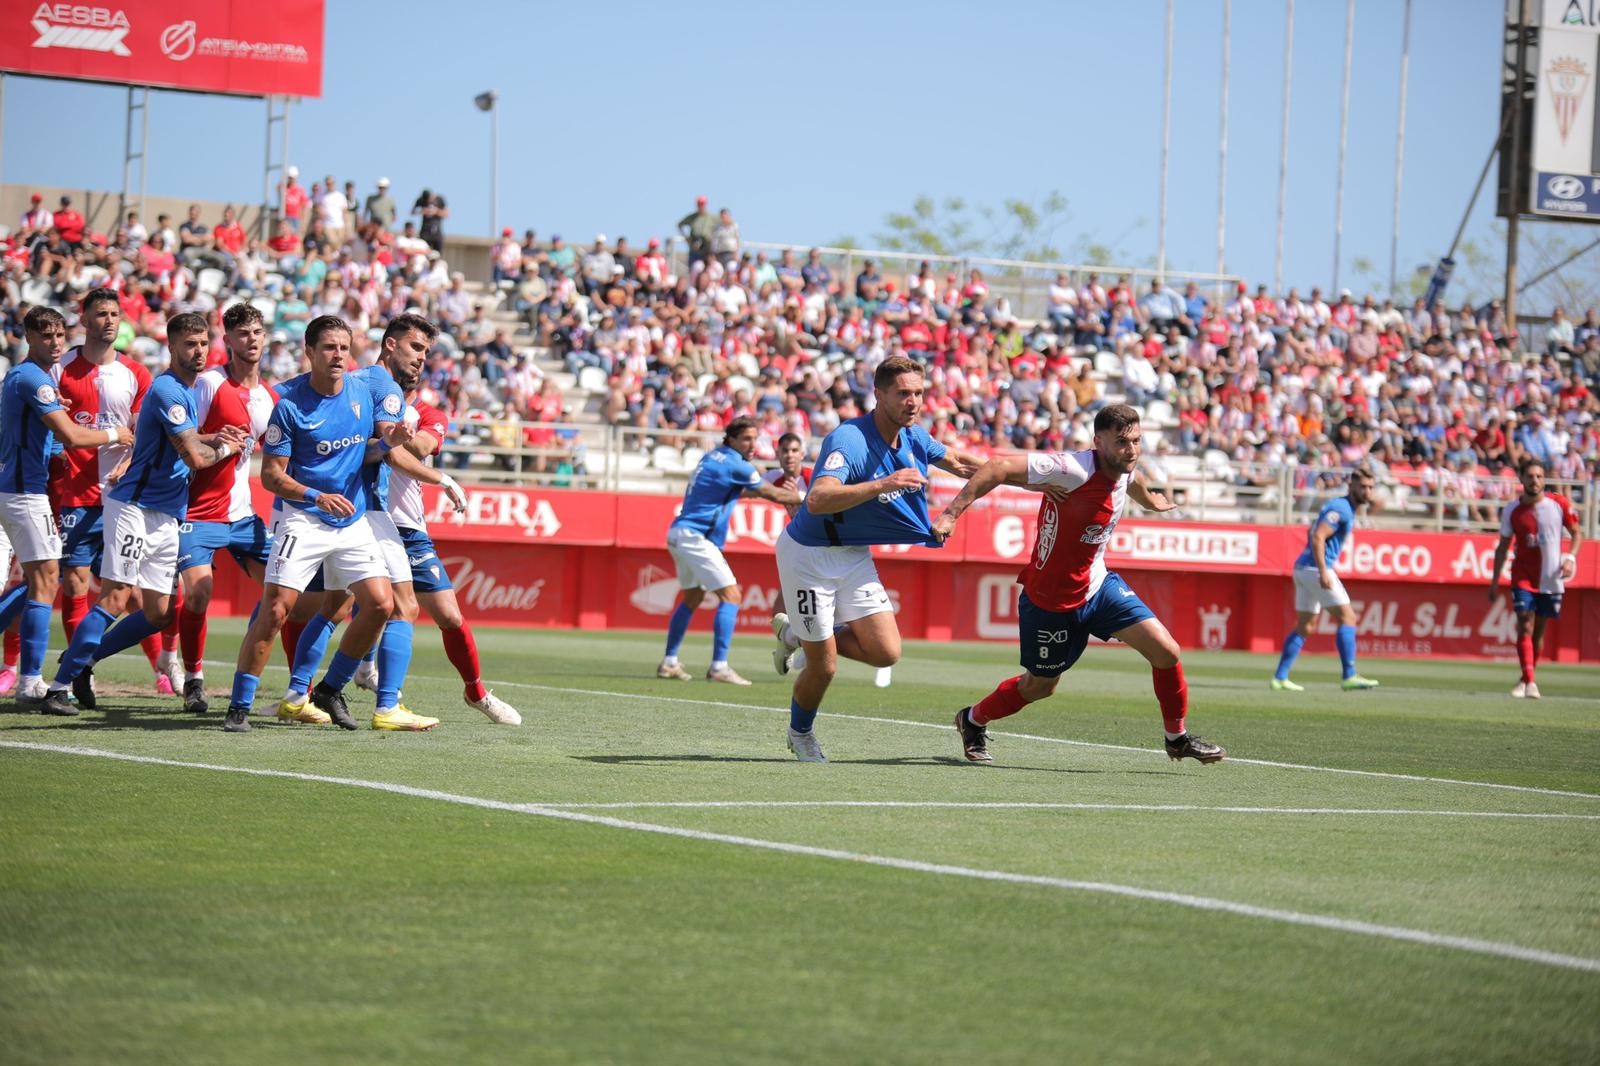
[[355, 408], [176, 414], [1049, 526]]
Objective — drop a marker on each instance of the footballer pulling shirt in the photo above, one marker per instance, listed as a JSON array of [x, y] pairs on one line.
[[855, 453]]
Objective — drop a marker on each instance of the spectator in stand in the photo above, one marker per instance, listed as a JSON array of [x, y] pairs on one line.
[[36, 221], [506, 258], [294, 198], [228, 239], [194, 240], [597, 265], [698, 227], [561, 257], [1559, 336], [815, 273], [432, 208], [380, 207], [284, 244], [69, 223], [725, 241], [333, 211], [455, 305], [1165, 309], [131, 235]]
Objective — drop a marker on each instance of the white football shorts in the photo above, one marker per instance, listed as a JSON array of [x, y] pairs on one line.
[[1309, 595], [141, 546], [827, 587], [390, 546], [303, 542], [700, 562], [30, 526]]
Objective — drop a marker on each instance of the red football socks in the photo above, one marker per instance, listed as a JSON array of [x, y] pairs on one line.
[[13, 647], [1004, 701], [290, 635], [1525, 656], [1172, 692], [192, 639], [73, 611], [463, 653]]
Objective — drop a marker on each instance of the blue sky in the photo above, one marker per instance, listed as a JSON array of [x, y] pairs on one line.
[[811, 121]]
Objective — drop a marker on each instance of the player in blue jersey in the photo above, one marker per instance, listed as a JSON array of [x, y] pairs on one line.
[[868, 487], [32, 421], [143, 509], [405, 346], [315, 447], [695, 540], [1316, 587]]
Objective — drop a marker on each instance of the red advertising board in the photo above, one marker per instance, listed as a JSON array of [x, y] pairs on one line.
[[596, 560], [212, 46]]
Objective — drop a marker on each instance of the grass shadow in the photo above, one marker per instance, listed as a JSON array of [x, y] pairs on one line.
[[908, 760]]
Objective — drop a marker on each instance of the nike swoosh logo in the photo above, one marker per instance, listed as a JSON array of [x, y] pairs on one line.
[[317, 425], [1126, 593]]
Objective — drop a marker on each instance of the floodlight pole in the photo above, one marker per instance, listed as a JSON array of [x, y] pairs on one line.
[[494, 169], [1514, 216], [1283, 152], [1166, 144], [1400, 150], [1344, 138], [1222, 140]]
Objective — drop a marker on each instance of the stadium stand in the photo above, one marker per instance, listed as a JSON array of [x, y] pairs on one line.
[[613, 364]]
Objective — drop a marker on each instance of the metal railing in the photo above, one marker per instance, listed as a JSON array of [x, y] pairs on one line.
[[624, 458], [1025, 284]]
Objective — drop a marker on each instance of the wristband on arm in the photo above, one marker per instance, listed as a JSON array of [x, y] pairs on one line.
[[312, 495]]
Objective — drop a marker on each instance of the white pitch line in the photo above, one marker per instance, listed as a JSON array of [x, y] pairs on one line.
[[1206, 903], [1533, 789], [1022, 805]]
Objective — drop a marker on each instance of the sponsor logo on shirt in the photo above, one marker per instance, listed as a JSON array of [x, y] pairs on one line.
[[1049, 526], [328, 447]]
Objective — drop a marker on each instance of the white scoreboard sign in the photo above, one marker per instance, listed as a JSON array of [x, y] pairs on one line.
[[1565, 181]]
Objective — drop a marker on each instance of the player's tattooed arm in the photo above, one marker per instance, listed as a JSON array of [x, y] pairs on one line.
[[276, 480], [1148, 498], [199, 452]]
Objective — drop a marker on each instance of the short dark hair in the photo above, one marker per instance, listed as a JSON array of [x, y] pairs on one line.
[[892, 368], [188, 323], [788, 437], [325, 324], [1116, 417], [1528, 463], [242, 314], [737, 426], [40, 318], [97, 296], [400, 325]]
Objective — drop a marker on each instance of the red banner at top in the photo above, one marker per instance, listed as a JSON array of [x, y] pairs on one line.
[[213, 46]]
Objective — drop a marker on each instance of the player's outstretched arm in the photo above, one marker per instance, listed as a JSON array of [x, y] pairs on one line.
[[961, 464], [769, 490], [1001, 470], [276, 480], [72, 435], [405, 460], [1148, 498]]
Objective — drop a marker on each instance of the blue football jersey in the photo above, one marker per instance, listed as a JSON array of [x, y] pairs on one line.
[[325, 438], [26, 444], [388, 405], [720, 478], [1340, 518], [856, 453], [157, 478]]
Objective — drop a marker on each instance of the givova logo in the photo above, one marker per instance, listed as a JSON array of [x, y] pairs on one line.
[[88, 29]]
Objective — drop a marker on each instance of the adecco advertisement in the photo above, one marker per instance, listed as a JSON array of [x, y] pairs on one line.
[[595, 560], [214, 46]]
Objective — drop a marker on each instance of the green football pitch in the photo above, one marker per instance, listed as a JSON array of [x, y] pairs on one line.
[[641, 873]]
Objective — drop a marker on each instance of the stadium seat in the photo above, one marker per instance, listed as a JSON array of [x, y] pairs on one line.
[[665, 457], [592, 379], [738, 382], [1159, 412], [267, 306], [703, 382], [37, 291], [92, 276], [1108, 365], [210, 281]]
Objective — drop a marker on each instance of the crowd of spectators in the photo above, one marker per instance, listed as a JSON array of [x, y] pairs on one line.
[[1434, 399]]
